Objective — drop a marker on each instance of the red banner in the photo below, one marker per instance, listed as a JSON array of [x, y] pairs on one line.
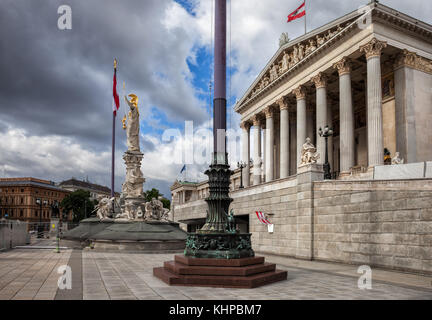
[[116, 104], [298, 13]]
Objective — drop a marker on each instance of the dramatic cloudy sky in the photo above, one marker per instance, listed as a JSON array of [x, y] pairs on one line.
[[55, 85]]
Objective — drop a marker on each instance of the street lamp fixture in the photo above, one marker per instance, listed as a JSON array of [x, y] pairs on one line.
[[326, 133], [241, 165]]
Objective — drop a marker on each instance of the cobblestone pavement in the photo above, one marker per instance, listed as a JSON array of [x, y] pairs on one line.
[[32, 274]]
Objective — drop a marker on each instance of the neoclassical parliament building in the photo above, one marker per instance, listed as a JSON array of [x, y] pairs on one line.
[[368, 76]]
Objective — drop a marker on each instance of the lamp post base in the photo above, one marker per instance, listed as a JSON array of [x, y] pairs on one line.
[[219, 245], [40, 232]]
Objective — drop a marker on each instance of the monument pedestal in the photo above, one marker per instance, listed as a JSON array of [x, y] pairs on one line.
[[246, 273], [216, 255], [127, 236]]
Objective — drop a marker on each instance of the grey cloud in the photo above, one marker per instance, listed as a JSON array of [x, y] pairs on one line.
[[60, 82]]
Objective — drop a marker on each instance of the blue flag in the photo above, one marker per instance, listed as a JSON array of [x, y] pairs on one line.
[[183, 169]]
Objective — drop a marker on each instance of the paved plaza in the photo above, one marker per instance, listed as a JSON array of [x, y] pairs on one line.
[[32, 274]]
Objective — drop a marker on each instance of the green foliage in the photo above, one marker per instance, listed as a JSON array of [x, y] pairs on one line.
[[155, 193], [166, 203], [79, 203]]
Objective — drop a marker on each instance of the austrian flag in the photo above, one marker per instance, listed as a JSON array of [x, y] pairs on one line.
[[262, 218], [116, 103], [298, 13]]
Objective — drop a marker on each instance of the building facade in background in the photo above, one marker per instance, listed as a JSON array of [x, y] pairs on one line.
[[367, 75], [18, 200], [95, 190]]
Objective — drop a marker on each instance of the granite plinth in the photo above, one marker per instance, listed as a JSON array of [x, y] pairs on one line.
[[227, 273]]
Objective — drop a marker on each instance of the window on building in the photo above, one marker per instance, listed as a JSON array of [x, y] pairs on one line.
[[21, 213], [36, 213], [22, 200], [22, 190]]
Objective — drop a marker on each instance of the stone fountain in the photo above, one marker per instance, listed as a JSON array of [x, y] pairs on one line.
[[132, 224]]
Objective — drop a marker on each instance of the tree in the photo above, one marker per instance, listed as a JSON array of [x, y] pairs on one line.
[[79, 203], [155, 193]]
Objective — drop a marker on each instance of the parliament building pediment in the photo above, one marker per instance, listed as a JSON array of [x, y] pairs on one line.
[[295, 54]]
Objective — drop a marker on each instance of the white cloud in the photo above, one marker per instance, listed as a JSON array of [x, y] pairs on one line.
[[51, 157]]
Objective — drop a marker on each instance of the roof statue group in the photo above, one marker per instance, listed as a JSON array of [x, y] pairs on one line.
[[290, 58], [132, 206]]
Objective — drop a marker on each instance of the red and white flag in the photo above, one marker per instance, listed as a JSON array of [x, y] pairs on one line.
[[262, 218], [116, 103], [298, 13]]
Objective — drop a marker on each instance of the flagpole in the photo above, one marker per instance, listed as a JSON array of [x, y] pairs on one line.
[[305, 17], [113, 144], [112, 157]]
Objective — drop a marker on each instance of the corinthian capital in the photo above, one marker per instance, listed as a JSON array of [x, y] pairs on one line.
[[343, 66], [282, 104], [256, 120], [413, 60], [268, 112], [406, 58], [320, 80], [300, 92], [373, 48], [245, 125]]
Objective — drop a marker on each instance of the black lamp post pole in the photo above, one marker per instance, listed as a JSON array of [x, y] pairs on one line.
[[326, 134], [39, 235], [241, 166], [327, 174], [219, 172], [218, 238]]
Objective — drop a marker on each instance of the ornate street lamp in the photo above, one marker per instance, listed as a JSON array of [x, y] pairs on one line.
[[241, 165], [218, 238], [325, 134]]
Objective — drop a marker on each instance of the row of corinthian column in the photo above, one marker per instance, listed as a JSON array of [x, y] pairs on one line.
[[372, 50]]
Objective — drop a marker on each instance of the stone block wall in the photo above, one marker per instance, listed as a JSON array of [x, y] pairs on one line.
[[378, 223], [277, 199]]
